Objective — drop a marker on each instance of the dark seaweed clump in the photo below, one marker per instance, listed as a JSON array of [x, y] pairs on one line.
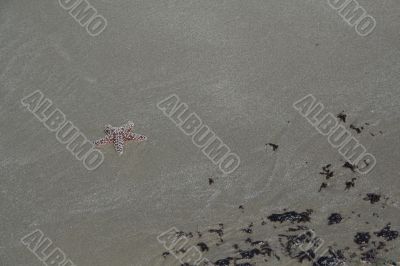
[[264, 247], [181, 233], [248, 229], [305, 247], [334, 218], [357, 129], [223, 262], [342, 116], [350, 166], [387, 233], [308, 255], [219, 232], [301, 246], [274, 146], [291, 216], [297, 228], [369, 256], [362, 238], [249, 254], [203, 247], [334, 258], [351, 183], [372, 197], [165, 254], [323, 185], [326, 171], [299, 243]]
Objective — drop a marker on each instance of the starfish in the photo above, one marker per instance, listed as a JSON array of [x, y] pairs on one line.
[[119, 135]]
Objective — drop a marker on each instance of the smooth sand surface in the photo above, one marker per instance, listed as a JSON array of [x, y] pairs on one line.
[[239, 65]]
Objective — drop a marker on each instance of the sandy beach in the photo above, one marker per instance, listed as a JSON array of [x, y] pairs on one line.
[[277, 193]]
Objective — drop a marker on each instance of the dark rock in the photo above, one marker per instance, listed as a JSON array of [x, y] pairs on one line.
[[350, 166]]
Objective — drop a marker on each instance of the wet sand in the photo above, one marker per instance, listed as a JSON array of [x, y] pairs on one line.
[[239, 65]]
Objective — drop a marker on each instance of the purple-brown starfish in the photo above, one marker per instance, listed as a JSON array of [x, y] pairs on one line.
[[119, 135]]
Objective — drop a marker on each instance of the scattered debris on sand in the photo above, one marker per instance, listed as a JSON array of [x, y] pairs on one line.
[[326, 171], [274, 146], [334, 218], [373, 198], [357, 129], [342, 116], [291, 216]]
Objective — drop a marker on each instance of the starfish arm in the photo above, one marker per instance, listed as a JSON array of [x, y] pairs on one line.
[[128, 127], [135, 137], [103, 141], [107, 129], [119, 143]]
